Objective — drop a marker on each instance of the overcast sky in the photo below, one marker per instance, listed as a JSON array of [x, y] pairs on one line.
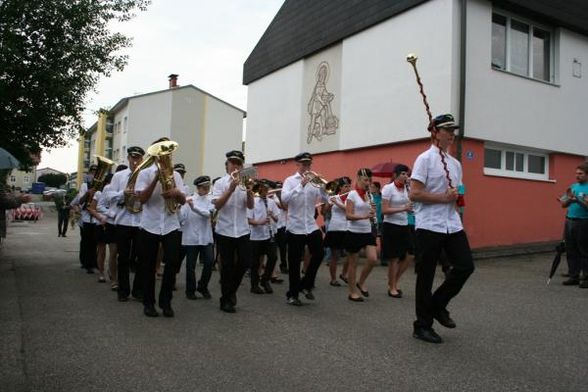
[[205, 42]]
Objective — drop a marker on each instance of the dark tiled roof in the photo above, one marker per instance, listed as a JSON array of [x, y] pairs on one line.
[[303, 27]]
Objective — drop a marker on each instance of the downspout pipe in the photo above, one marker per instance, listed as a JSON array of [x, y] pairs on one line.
[[462, 77]]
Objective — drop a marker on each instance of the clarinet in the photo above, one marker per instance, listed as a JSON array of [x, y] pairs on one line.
[[369, 198], [269, 223]]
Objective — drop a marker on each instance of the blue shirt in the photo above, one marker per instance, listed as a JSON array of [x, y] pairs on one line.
[[576, 210]]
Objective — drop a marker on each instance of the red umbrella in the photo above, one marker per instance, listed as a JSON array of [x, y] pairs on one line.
[[384, 169]]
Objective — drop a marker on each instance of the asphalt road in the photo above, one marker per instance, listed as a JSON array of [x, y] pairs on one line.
[[63, 331]]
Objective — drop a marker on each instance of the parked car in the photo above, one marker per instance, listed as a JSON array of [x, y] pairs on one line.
[[48, 193]]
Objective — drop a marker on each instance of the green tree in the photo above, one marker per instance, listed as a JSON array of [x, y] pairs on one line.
[[54, 180], [52, 54]]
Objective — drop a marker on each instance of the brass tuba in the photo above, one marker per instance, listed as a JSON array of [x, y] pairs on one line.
[[162, 152], [104, 165]]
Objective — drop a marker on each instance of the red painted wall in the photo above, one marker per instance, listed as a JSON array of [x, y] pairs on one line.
[[499, 211]]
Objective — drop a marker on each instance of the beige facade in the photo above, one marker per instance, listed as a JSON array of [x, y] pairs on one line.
[[21, 180]]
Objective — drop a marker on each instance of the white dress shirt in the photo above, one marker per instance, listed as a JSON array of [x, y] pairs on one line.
[[396, 198], [428, 169], [116, 197], [103, 206], [282, 216], [197, 227], [85, 216], [338, 220], [360, 207], [301, 202], [155, 219], [231, 220], [260, 212]]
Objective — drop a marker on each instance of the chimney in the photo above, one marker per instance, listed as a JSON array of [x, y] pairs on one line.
[[173, 80]]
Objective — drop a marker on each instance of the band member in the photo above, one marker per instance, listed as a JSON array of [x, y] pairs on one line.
[[360, 211], [87, 231], [232, 229], [281, 228], [576, 228], [197, 237], [337, 227], [302, 230], [158, 226], [104, 226], [396, 241], [126, 228], [438, 227], [263, 242]]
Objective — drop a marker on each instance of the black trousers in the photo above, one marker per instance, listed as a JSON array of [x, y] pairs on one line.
[[281, 241], [258, 249], [296, 243], [148, 244], [429, 245], [235, 254], [62, 220], [576, 235], [126, 238], [88, 246]]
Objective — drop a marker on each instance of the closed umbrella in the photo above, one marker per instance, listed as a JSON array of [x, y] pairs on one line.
[[7, 160], [383, 169], [559, 250]]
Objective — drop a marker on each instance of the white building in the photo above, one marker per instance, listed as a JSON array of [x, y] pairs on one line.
[[332, 79], [205, 127]]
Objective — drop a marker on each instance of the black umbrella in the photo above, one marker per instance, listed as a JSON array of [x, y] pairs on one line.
[[559, 250]]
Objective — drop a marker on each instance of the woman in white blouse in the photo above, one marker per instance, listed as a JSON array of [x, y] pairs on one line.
[[360, 211]]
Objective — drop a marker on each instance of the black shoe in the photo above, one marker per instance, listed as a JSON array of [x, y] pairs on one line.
[[277, 280], [168, 311], [205, 293], [191, 296], [399, 295], [443, 318], [257, 290], [308, 294], [227, 307], [63, 235], [427, 334], [123, 298], [364, 293], [150, 311], [267, 287], [358, 299], [344, 279], [293, 301], [335, 283], [571, 282]]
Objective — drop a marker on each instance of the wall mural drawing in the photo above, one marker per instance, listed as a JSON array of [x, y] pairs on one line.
[[322, 120]]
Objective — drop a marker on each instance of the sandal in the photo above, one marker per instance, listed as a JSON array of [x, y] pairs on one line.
[[335, 283], [344, 279]]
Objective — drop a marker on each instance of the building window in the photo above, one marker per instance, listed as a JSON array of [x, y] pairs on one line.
[[125, 123], [522, 47], [515, 162], [26, 179], [12, 179]]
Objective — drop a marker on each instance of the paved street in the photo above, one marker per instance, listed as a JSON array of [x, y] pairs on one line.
[[63, 331]]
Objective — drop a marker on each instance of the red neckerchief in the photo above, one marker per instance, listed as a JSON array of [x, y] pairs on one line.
[[360, 192], [399, 186], [343, 197]]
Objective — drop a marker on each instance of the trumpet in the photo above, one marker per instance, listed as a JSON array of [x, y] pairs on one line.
[[315, 179], [246, 176]]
